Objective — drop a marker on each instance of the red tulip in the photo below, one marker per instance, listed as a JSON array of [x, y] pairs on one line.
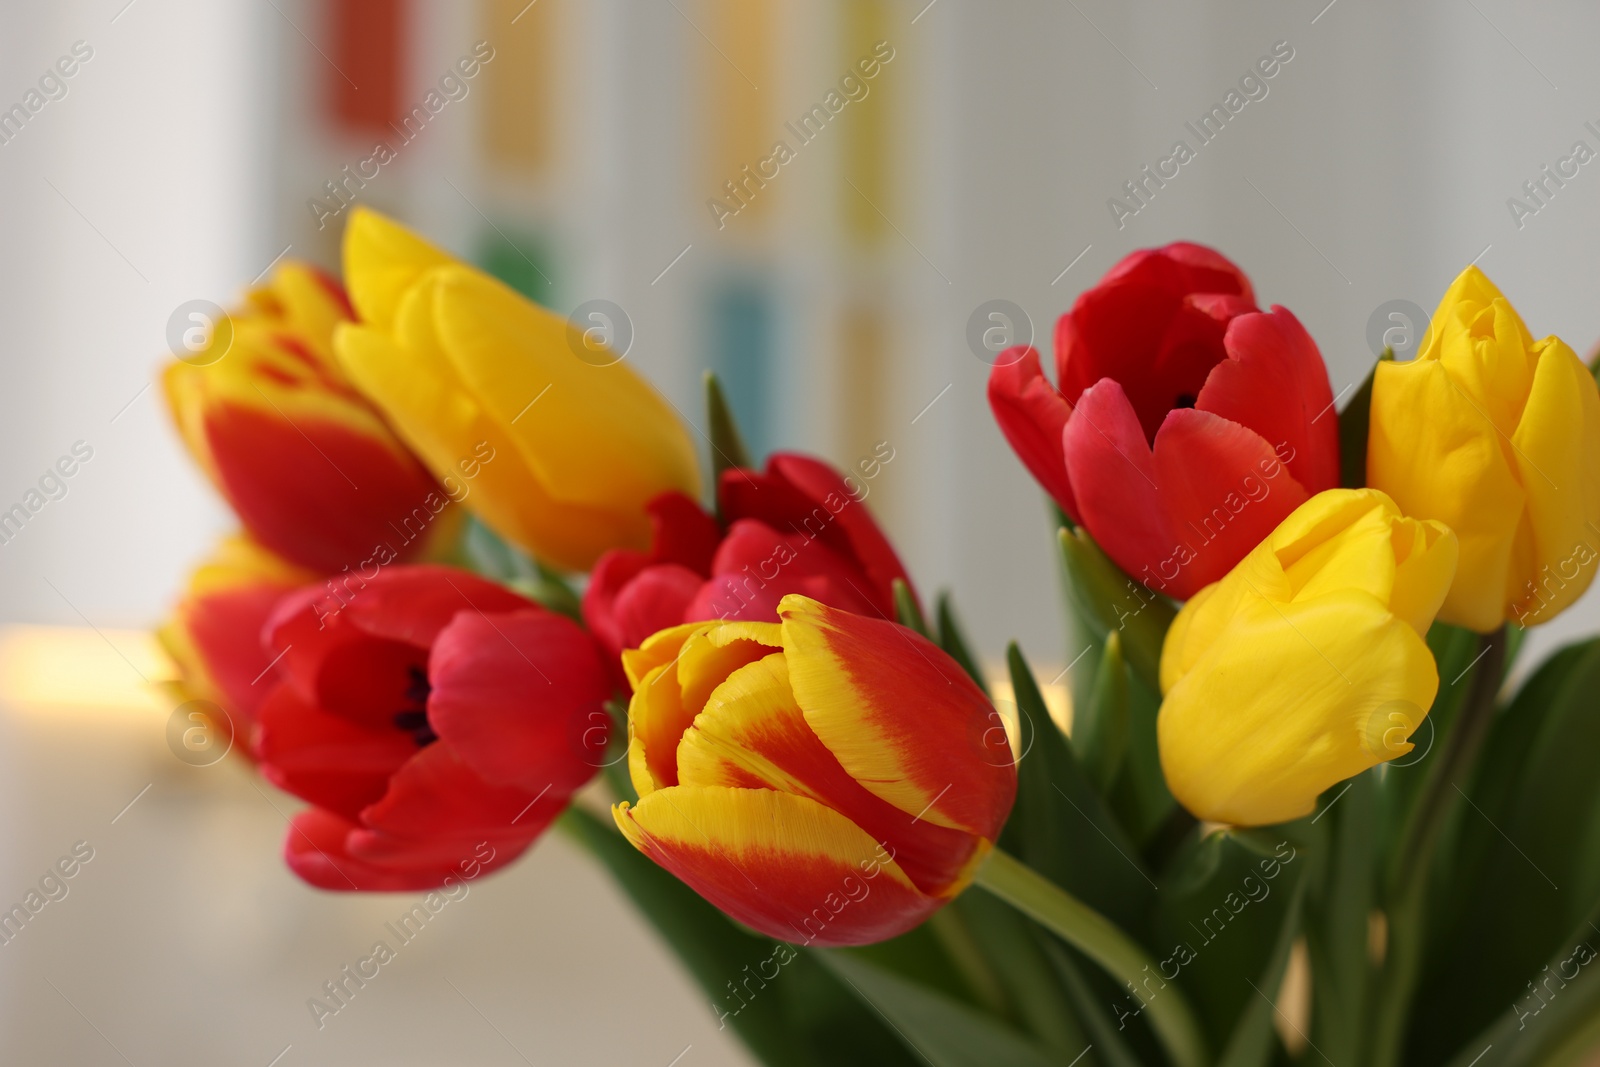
[[1186, 423], [797, 527], [430, 713]]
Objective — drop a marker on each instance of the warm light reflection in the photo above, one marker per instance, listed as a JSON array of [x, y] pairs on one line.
[[77, 669]]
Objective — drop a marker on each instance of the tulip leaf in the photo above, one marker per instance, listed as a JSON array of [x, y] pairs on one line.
[[939, 1031], [1060, 826], [1254, 1039], [1558, 1024], [953, 641], [1100, 727], [1219, 921], [1140, 796], [1107, 601], [906, 611], [727, 444], [1339, 910], [1091, 991], [804, 1017], [1031, 985], [1528, 828], [1353, 424]]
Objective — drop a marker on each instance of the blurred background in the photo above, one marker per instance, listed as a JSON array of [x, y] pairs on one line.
[[624, 151]]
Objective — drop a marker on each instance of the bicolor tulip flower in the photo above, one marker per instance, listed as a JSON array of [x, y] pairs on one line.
[[1184, 423], [214, 634], [1498, 436], [1306, 664], [308, 465], [796, 527], [430, 713], [455, 358], [826, 778]]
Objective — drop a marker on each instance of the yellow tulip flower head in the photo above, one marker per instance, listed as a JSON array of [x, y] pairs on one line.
[[1498, 436], [554, 452], [1306, 664]]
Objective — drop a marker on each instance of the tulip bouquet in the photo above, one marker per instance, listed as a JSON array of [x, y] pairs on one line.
[[1297, 811]]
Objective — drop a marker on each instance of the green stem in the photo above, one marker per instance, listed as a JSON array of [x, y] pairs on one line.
[[1096, 937], [1414, 862]]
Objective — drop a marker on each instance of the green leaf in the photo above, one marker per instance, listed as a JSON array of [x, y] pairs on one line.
[[905, 608], [1339, 910], [1091, 991], [1219, 918], [1254, 1040], [801, 1018], [953, 641], [940, 1031], [1033, 993], [1527, 828], [1353, 422], [727, 444], [1107, 601], [1100, 727], [1140, 796], [1060, 825]]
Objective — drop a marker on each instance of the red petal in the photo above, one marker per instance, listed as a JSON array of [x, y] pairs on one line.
[[681, 532], [519, 697], [1179, 517], [326, 759], [1275, 382], [1031, 414], [658, 598], [317, 492], [323, 849], [437, 795], [757, 566], [225, 627]]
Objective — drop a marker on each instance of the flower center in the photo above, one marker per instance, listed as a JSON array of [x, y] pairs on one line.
[[413, 717], [1185, 400]]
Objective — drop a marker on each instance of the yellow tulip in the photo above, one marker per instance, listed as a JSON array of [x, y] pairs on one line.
[[455, 358], [1306, 664], [1498, 436]]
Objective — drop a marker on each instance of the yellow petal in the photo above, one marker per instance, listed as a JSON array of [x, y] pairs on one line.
[[382, 259], [1291, 700]]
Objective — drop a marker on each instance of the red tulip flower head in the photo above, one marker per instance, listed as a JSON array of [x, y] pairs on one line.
[[797, 527], [1185, 423], [431, 713]]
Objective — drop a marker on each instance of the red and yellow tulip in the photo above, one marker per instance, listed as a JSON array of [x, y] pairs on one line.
[[455, 358], [827, 778], [309, 466]]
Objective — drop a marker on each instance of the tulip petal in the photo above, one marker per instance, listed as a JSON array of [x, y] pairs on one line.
[[753, 735], [608, 440], [1251, 747], [781, 864], [1427, 474], [381, 261], [1275, 382], [1556, 452], [323, 849], [1188, 509], [437, 794], [519, 697], [324, 758], [876, 693], [1031, 413]]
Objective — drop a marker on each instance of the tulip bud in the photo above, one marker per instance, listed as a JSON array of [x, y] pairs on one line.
[[309, 466], [458, 361], [1184, 423], [1498, 436], [1306, 664], [214, 634], [827, 779]]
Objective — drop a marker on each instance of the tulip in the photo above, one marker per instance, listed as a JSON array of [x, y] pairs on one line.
[[1498, 436], [454, 357], [826, 778], [430, 714], [797, 527], [1185, 423], [214, 634], [1306, 664], [310, 467]]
